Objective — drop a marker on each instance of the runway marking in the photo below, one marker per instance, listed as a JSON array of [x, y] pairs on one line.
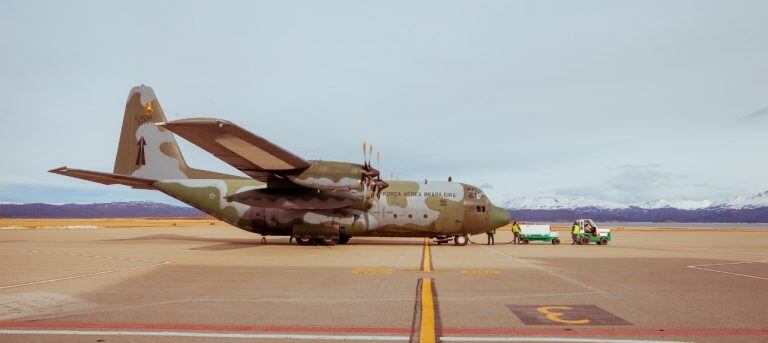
[[207, 335], [426, 258], [701, 267], [426, 314], [546, 339], [610, 332], [374, 271], [80, 276], [481, 271], [427, 323], [311, 337], [469, 333], [565, 315]]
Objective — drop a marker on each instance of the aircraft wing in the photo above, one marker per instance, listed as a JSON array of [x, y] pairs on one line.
[[251, 154], [105, 178], [292, 199]]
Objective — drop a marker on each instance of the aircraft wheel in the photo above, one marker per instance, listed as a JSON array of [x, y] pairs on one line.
[[305, 241], [584, 240], [460, 240], [344, 239], [328, 241], [526, 241], [603, 241], [556, 241]]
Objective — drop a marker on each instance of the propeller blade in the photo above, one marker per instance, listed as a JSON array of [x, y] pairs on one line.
[[364, 156], [370, 153]]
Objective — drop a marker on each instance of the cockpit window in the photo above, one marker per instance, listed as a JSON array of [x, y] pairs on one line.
[[474, 193]]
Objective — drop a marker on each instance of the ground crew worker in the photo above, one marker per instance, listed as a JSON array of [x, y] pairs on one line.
[[575, 230], [491, 240], [516, 233]]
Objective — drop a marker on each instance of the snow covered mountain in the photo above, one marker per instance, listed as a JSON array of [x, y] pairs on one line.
[[679, 204], [756, 200], [751, 208], [560, 202], [551, 202]]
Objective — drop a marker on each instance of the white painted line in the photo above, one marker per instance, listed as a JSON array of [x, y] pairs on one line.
[[153, 264], [315, 337], [206, 335], [702, 267], [545, 339]]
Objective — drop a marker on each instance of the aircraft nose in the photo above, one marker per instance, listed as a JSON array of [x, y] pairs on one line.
[[499, 217]]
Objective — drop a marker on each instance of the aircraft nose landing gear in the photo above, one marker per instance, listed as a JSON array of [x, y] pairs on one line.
[[461, 240]]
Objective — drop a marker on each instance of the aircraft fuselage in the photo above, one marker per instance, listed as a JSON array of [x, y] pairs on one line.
[[404, 209]]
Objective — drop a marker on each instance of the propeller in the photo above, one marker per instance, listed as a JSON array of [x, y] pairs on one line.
[[379, 184], [371, 177]]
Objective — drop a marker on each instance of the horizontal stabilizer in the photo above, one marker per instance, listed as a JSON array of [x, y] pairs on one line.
[[291, 199], [252, 154], [105, 178]]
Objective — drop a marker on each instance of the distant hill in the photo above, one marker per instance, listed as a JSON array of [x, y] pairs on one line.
[[129, 209]]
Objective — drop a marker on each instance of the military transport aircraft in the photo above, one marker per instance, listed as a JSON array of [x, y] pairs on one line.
[[317, 202]]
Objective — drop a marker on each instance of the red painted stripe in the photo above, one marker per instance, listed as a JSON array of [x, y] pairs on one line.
[[444, 331], [607, 332], [200, 327], [136, 326]]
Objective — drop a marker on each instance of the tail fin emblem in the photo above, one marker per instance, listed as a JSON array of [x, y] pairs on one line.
[[140, 160], [148, 109]]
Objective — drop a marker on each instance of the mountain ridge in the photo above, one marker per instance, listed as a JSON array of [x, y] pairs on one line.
[[124, 209], [749, 208], [561, 202]]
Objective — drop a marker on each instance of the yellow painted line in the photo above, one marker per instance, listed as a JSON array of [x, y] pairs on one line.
[[481, 271], [426, 266], [427, 327], [374, 271]]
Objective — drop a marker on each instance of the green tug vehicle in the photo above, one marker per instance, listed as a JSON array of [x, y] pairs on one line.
[[530, 232], [591, 233]]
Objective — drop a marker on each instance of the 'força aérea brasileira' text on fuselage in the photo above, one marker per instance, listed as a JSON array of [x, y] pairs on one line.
[[282, 194]]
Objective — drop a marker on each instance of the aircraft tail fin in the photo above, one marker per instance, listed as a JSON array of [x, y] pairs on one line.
[[150, 151]]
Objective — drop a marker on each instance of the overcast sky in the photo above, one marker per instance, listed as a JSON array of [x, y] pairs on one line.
[[624, 101]]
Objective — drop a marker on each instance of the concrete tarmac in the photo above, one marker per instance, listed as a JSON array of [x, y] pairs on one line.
[[213, 284]]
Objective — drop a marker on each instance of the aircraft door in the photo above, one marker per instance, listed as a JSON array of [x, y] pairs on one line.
[[476, 217]]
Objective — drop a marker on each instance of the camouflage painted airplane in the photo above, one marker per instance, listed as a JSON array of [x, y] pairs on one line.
[[317, 202]]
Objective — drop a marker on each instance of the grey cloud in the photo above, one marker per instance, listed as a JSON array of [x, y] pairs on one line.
[[639, 178], [756, 114], [629, 184]]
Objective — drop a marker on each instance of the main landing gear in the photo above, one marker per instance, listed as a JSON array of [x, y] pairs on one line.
[[318, 241]]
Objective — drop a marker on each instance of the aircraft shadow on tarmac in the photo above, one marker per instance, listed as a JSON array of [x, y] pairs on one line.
[[234, 243], [228, 244]]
